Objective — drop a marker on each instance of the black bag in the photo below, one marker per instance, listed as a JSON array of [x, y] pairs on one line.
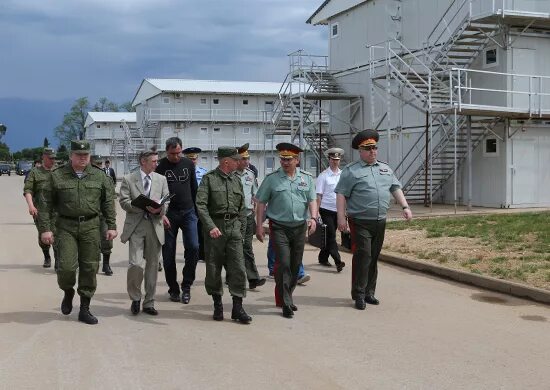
[[346, 240], [319, 238]]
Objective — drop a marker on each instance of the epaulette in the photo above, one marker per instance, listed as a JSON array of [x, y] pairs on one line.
[[250, 170], [351, 164], [306, 172], [383, 162], [96, 167], [58, 167], [272, 172]]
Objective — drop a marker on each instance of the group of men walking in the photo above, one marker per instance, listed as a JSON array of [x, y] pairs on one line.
[[218, 212]]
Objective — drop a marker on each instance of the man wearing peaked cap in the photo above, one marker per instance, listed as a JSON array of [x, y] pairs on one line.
[[291, 212], [250, 188], [36, 180], [77, 194], [221, 208], [192, 154], [363, 194], [326, 202]]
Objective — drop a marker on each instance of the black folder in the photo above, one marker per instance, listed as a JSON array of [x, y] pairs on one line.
[[143, 202]]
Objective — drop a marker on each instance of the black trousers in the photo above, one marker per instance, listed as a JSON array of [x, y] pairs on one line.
[[331, 249], [367, 238]]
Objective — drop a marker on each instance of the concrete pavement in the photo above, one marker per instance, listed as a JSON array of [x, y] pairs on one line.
[[427, 333]]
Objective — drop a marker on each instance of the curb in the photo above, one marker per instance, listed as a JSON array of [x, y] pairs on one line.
[[486, 282]]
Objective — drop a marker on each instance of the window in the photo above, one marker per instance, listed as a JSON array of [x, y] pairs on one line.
[[312, 162], [269, 106], [215, 101], [246, 130], [204, 130], [269, 162], [490, 147], [98, 126], [245, 102], [203, 100], [269, 137], [490, 57], [204, 160], [334, 30], [166, 100], [216, 129]]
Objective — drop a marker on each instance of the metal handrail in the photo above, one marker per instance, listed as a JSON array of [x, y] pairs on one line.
[[443, 19]]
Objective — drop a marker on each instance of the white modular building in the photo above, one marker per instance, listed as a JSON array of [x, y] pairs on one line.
[[208, 114], [105, 131], [459, 91]]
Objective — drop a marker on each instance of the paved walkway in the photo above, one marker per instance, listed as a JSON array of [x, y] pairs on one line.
[[427, 333]]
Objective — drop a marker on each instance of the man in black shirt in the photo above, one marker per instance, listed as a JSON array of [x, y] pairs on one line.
[[180, 174]]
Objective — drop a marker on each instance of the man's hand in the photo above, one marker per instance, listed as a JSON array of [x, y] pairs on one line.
[[166, 222], [260, 233], [215, 233], [111, 235], [312, 225], [47, 238], [343, 225], [154, 211], [407, 214], [33, 211]]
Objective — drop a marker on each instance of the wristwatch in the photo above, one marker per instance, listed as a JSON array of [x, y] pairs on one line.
[[406, 207]]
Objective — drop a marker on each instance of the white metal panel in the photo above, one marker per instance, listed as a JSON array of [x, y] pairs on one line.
[[524, 171]]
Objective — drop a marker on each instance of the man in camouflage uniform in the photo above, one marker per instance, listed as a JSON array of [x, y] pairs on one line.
[[220, 205], [78, 193], [250, 187], [37, 178], [106, 245]]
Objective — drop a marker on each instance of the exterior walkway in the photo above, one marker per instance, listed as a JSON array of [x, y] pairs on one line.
[[428, 333]]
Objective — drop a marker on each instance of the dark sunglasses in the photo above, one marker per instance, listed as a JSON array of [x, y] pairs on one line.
[[370, 148]]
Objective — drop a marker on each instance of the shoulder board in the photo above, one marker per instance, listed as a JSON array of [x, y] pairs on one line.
[[96, 167], [272, 172], [306, 173], [59, 167], [351, 164]]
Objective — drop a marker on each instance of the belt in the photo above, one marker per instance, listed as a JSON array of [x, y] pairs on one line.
[[80, 218], [226, 216]]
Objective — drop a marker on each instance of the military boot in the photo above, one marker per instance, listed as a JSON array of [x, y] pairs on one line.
[[218, 308], [106, 267], [67, 303], [238, 313], [47, 258], [84, 315]]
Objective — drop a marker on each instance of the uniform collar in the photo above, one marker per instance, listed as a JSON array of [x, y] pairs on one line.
[[222, 173], [331, 173], [298, 173], [365, 164]]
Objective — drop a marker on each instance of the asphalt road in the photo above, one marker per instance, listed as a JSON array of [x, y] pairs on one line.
[[427, 333]]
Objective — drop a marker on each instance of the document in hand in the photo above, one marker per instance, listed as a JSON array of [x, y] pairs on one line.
[[143, 201]]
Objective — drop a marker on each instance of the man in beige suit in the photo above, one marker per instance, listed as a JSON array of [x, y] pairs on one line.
[[144, 230]]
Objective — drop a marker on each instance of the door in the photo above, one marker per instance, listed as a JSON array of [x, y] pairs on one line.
[[524, 63], [525, 171]]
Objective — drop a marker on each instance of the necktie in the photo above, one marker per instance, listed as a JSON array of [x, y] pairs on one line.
[[147, 185]]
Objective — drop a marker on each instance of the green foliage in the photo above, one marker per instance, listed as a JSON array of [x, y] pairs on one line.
[[3, 129], [46, 143], [4, 152], [28, 154], [62, 153], [105, 105], [127, 106]]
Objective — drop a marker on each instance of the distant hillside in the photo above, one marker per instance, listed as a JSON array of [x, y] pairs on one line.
[[29, 121]]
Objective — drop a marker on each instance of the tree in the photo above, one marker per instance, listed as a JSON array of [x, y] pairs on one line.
[[4, 152], [46, 142], [105, 105], [127, 106], [3, 130], [72, 126], [62, 153]]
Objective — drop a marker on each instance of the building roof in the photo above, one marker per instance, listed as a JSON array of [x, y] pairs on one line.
[[95, 116], [330, 8], [152, 87]]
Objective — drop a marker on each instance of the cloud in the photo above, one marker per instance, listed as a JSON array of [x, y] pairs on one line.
[[65, 49]]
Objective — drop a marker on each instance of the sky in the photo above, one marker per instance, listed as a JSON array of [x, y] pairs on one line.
[[58, 50]]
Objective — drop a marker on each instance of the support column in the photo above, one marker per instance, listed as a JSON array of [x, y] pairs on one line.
[[469, 159]]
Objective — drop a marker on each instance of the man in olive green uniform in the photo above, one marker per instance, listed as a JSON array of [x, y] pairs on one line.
[[106, 245], [289, 193], [35, 182], [250, 187], [78, 193], [221, 209], [363, 192]]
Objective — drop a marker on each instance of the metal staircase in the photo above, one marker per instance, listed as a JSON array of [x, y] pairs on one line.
[[301, 110], [426, 81]]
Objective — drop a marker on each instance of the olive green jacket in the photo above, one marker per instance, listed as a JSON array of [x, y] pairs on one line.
[[219, 194], [67, 195], [36, 180]]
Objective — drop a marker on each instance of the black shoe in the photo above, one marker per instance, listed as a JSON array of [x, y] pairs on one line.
[[134, 308], [218, 308], [47, 262], [371, 300], [238, 314], [84, 315], [360, 304], [340, 266], [287, 312], [294, 307], [151, 311], [106, 267], [186, 296], [174, 296], [160, 266], [56, 265], [325, 263], [67, 303], [253, 283]]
